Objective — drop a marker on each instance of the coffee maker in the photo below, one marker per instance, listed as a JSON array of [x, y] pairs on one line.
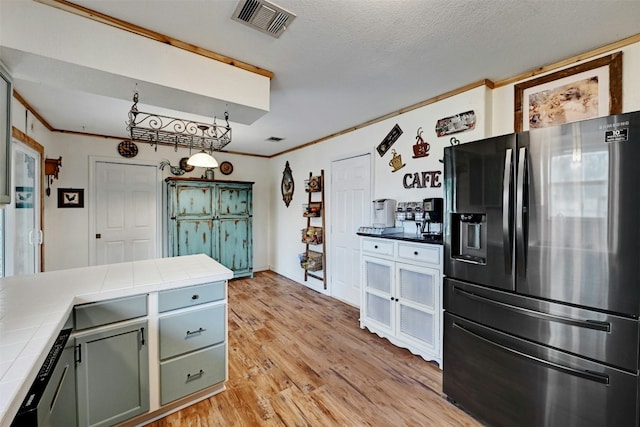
[[432, 217]]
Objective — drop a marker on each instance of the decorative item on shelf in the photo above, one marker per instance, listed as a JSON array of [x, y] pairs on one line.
[[158, 129], [174, 169], [70, 197], [312, 210], [312, 235], [208, 174], [311, 260], [51, 170], [128, 149], [287, 186], [226, 168], [313, 184]]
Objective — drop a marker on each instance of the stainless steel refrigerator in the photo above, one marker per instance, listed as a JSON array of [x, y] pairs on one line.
[[542, 275]]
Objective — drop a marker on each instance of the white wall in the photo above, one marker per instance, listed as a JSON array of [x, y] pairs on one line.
[[287, 222]]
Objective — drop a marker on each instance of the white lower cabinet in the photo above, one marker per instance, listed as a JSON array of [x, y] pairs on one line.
[[401, 294]]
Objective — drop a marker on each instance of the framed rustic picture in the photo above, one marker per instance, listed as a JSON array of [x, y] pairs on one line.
[[592, 89], [70, 198]]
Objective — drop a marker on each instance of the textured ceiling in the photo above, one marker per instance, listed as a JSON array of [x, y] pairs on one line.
[[342, 63]]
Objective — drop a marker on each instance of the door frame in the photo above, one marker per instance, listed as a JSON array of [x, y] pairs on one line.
[[329, 191], [93, 201]]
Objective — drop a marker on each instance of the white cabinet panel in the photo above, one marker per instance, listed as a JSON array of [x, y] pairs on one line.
[[402, 294]]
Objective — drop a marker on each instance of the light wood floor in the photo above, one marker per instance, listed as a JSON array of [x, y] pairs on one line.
[[299, 358]]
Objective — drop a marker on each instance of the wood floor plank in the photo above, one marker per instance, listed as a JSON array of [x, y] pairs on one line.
[[299, 358]]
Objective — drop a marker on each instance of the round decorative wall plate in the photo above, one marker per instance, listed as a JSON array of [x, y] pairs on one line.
[[127, 149], [226, 168], [185, 166]]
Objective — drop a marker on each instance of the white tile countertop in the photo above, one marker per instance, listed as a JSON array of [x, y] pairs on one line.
[[34, 308]]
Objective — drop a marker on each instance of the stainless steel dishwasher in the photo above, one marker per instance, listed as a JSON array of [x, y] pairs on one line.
[[51, 400]]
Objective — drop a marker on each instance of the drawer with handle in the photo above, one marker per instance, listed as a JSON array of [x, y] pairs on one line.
[[429, 254], [187, 374], [174, 299], [191, 330], [377, 246], [101, 313]]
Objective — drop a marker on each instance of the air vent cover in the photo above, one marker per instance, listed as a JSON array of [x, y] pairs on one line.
[[263, 16], [274, 139]]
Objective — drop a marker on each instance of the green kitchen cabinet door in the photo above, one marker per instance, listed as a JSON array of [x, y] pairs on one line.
[[192, 200], [236, 250], [112, 368], [234, 227], [195, 236], [234, 200]]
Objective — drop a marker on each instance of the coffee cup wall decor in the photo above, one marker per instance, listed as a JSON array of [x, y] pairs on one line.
[[396, 161]]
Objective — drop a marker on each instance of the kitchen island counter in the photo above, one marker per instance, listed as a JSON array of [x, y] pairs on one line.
[[33, 309]]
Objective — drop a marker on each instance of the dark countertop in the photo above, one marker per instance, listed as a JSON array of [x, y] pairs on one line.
[[408, 237]]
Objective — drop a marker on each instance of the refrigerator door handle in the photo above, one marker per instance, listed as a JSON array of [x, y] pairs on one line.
[[521, 244], [586, 374], [586, 323], [506, 209]]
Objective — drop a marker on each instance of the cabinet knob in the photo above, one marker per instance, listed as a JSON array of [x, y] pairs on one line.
[[196, 296], [375, 247], [415, 253]]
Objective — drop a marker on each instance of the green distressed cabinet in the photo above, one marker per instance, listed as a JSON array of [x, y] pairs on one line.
[[213, 218]]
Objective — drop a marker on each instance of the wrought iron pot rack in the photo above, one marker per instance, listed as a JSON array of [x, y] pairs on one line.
[[158, 129]]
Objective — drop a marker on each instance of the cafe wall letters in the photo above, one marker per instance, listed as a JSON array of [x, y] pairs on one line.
[[423, 179]]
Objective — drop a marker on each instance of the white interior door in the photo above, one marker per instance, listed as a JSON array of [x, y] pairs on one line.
[[350, 209], [23, 236], [126, 212]]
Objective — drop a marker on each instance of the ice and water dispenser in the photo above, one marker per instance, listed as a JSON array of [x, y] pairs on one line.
[[469, 237]]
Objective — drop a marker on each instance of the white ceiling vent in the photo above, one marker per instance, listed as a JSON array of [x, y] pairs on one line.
[[263, 16]]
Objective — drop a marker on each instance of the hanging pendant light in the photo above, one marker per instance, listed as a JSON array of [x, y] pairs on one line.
[[202, 160]]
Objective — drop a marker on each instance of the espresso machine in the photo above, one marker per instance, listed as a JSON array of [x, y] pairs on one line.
[[432, 217]]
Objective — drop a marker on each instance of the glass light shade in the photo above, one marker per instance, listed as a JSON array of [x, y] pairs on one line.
[[203, 160]]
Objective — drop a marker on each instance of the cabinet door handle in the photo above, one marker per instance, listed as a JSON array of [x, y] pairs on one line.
[[200, 330], [142, 334], [196, 375], [79, 359], [195, 296]]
